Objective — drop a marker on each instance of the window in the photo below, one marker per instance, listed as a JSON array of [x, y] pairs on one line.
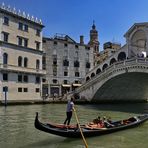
[[65, 62], [37, 90], [37, 45], [87, 65], [5, 77], [20, 41], [19, 78], [54, 81], [54, 62], [65, 45], [37, 80], [20, 26], [6, 20], [87, 47], [25, 62], [38, 32], [5, 89], [76, 82], [43, 80], [25, 78], [25, 42], [44, 62], [5, 36], [65, 73], [65, 81], [37, 64], [20, 61], [76, 64], [25, 27], [76, 74], [76, 46], [55, 43], [19, 89], [5, 58], [25, 89]]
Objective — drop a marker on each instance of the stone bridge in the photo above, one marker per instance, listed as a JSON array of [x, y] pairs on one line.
[[124, 75], [122, 81]]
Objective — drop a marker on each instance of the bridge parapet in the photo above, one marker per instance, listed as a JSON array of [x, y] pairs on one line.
[[130, 65]]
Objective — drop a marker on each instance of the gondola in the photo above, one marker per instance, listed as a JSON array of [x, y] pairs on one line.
[[74, 132]]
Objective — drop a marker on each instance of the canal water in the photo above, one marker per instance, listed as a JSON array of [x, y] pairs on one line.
[[17, 126]]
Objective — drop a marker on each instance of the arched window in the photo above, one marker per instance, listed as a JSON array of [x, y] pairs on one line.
[[112, 61], [19, 61], [5, 58], [25, 62], [121, 56], [104, 66], [98, 71], [37, 64]]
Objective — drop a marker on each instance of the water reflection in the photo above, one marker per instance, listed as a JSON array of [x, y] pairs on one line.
[[17, 126], [138, 108]]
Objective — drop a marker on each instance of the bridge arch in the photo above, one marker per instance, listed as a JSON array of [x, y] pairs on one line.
[[104, 66], [112, 61], [121, 56], [87, 78], [98, 71], [92, 75]]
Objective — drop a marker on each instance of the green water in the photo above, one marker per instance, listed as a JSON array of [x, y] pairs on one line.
[[17, 126]]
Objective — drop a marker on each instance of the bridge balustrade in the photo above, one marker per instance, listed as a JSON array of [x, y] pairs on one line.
[[139, 63]]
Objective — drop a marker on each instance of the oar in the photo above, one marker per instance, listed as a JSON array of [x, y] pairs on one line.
[[86, 146]]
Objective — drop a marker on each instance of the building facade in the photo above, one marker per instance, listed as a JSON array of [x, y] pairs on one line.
[[20, 55], [67, 63], [109, 48]]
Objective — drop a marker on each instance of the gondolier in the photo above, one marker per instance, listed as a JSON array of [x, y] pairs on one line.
[[70, 108]]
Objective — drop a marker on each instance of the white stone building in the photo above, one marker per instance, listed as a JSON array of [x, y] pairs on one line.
[[20, 55], [67, 63]]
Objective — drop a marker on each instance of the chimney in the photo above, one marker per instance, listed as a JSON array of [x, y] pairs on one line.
[[81, 39]]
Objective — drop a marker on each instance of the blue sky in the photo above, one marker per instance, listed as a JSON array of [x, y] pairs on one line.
[[75, 17]]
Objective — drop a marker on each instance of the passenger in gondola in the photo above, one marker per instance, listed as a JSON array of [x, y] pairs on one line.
[[97, 120], [107, 122]]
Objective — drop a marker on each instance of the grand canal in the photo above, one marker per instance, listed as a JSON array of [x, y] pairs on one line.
[[17, 126]]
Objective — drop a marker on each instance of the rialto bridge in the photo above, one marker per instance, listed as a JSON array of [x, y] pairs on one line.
[[124, 75]]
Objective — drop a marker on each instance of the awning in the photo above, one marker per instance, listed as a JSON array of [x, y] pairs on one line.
[[76, 84], [66, 85]]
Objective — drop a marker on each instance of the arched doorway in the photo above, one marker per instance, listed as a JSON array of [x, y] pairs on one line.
[[87, 78], [92, 75], [138, 44], [104, 66], [112, 61], [98, 71], [121, 56]]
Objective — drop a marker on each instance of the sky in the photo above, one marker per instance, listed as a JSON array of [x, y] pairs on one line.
[[112, 18]]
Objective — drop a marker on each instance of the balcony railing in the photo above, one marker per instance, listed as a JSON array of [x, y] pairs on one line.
[[21, 69]]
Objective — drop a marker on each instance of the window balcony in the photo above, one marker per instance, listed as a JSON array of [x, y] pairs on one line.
[[13, 68]]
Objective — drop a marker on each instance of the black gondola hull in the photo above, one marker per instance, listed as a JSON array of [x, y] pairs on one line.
[[75, 132]]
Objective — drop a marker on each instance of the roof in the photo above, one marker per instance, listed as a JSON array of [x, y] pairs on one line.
[[134, 26], [20, 15], [64, 37]]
